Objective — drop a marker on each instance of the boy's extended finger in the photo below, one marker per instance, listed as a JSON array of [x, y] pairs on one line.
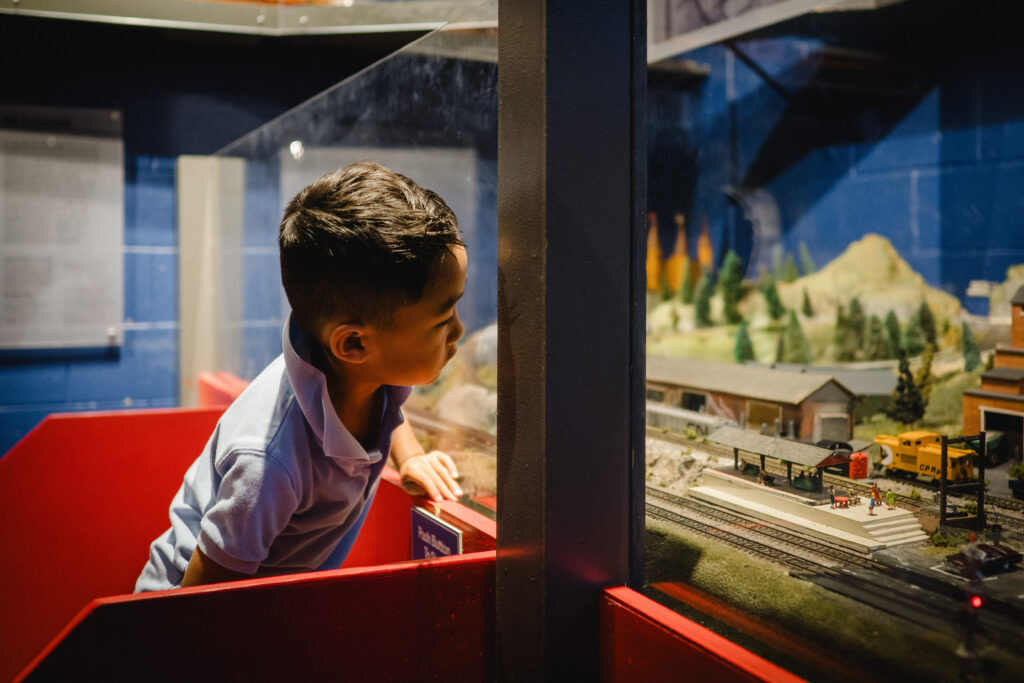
[[449, 463], [442, 470], [445, 484]]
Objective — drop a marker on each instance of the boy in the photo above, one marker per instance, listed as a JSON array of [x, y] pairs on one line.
[[372, 265]]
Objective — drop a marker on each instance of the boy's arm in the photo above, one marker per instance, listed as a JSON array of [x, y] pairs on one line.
[[202, 570], [432, 473]]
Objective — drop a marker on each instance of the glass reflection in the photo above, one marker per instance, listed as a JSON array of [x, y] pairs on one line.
[[429, 112]]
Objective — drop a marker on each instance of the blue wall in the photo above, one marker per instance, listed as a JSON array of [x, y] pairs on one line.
[[916, 133], [180, 93]]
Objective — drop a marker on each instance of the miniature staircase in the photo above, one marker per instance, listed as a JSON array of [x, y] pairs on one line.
[[894, 527]]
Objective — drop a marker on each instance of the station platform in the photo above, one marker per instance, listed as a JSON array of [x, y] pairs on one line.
[[852, 527]]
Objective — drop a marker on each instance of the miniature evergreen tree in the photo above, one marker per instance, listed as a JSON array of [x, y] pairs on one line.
[[892, 333], [856, 321], [907, 406], [990, 362], [914, 339], [687, 290], [806, 262], [777, 255], [780, 347], [730, 280], [789, 273], [927, 319], [744, 349], [876, 347], [924, 379], [795, 348], [972, 356], [771, 297], [840, 329], [702, 302], [663, 287], [806, 307]]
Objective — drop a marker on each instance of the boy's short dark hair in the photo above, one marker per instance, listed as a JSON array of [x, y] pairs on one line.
[[360, 242]]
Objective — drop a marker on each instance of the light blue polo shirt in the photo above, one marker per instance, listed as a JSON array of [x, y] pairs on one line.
[[281, 486]]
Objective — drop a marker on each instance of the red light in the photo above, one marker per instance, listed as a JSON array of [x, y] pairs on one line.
[[975, 601]]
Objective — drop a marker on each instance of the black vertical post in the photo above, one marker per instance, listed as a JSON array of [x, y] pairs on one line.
[[735, 458], [571, 204], [942, 479], [981, 481]]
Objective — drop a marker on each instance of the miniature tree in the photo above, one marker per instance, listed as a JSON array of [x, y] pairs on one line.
[[771, 297], [844, 340], [663, 287], [856, 321], [990, 362], [972, 356], [907, 406], [687, 290], [806, 262], [795, 348], [806, 307], [876, 346], [892, 333], [914, 339], [730, 280], [927, 318], [780, 347], [924, 379], [744, 349], [777, 256], [789, 273], [702, 301]]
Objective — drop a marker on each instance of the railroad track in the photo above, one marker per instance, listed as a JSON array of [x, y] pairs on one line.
[[656, 498], [923, 600]]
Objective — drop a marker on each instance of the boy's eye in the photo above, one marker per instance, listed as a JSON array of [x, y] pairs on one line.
[[446, 320]]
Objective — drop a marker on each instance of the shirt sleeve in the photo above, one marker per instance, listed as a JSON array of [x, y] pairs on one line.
[[255, 500]]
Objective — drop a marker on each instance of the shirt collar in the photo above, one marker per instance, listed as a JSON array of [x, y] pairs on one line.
[[310, 388]]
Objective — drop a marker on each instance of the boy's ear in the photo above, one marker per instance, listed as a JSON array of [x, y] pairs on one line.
[[346, 342]]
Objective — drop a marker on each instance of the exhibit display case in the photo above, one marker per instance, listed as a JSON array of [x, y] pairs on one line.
[[834, 293], [428, 111]]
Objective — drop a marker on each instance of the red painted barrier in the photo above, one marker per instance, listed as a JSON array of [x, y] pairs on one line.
[[81, 497], [219, 388], [644, 641], [412, 621], [387, 533]]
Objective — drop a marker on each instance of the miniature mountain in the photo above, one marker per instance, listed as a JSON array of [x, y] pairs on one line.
[[999, 299], [872, 270]]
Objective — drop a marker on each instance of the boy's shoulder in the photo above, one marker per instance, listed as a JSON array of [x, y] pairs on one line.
[[261, 414]]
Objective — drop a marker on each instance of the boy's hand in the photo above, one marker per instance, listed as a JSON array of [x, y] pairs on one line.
[[431, 473]]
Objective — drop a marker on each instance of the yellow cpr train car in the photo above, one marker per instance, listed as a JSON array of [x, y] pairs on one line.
[[920, 452]]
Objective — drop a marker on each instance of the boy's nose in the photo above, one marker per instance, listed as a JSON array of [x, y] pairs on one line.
[[457, 330]]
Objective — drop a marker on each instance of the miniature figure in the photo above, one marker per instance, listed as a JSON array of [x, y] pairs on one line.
[[890, 499], [832, 494], [871, 506]]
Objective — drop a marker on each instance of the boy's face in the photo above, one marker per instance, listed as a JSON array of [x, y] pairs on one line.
[[421, 338]]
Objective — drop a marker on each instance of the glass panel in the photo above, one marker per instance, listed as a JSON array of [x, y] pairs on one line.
[[269, 17], [836, 254], [429, 112]]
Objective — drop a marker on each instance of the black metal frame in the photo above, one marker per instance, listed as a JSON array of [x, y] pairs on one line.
[[571, 307]]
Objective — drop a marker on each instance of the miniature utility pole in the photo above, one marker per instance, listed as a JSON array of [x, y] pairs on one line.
[[977, 444]]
